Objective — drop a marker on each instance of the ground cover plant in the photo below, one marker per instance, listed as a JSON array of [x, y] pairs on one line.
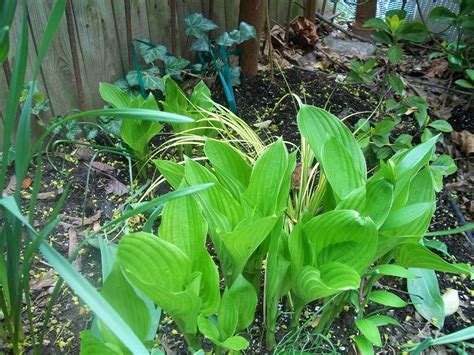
[[257, 231]]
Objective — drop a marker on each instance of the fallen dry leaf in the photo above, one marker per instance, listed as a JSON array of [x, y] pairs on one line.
[[103, 167], [304, 32], [116, 187], [10, 189], [465, 140], [77, 221], [438, 67], [50, 194], [85, 153]]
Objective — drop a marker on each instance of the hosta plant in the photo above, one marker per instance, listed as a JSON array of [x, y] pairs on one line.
[[366, 227], [239, 211]]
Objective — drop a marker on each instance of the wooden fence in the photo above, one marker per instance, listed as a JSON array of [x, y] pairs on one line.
[[91, 45]]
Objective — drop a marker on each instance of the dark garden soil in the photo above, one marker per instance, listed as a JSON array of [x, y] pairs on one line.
[[258, 100]]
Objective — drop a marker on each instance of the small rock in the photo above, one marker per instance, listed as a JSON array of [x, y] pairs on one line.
[[350, 48], [451, 302]]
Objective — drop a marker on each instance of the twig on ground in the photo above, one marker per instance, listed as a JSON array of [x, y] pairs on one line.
[[337, 27]]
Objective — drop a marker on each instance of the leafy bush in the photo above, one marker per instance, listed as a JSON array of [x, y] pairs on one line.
[[458, 52], [214, 52], [361, 229]]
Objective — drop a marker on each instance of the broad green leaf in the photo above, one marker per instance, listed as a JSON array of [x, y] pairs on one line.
[[342, 236], [183, 225], [228, 161], [426, 297], [235, 343], [90, 345], [299, 248], [396, 83], [407, 166], [369, 330], [394, 270], [395, 53], [377, 23], [317, 126], [201, 97], [387, 299], [172, 172], [137, 134], [464, 84], [162, 272], [339, 168], [416, 256], [420, 193], [244, 297], [121, 295], [444, 164], [378, 201], [208, 328], [244, 240], [406, 215], [227, 316], [441, 125], [364, 345], [222, 211], [114, 96], [266, 179], [315, 283], [442, 15], [414, 31]]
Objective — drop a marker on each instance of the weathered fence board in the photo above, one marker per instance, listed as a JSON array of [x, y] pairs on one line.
[[99, 31]]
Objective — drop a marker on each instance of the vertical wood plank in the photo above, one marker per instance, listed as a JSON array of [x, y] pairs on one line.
[[217, 11], [98, 44], [57, 65], [232, 14], [118, 8], [159, 18], [14, 37], [185, 8], [140, 28]]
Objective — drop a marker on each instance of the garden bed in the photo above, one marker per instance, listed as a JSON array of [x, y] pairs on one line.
[[261, 101]]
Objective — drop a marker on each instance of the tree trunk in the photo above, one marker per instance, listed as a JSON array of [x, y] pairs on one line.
[[366, 9], [310, 9], [251, 11]]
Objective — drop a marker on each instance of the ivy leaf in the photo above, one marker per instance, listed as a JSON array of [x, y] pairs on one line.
[[150, 77], [244, 33], [225, 40], [200, 45], [152, 53], [198, 24], [174, 66]]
